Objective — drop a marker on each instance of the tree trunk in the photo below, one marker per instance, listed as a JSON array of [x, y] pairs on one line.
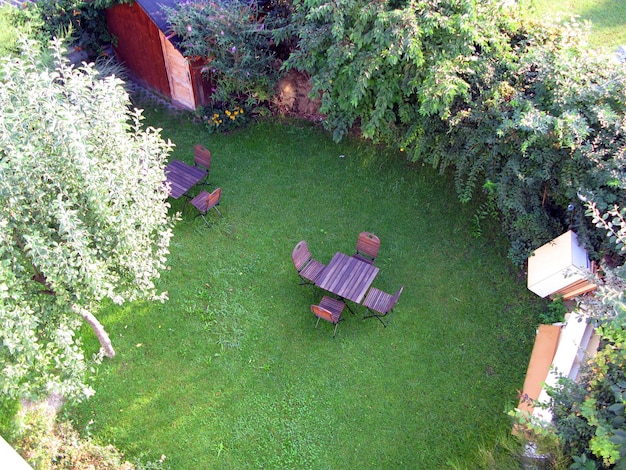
[[100, 332]]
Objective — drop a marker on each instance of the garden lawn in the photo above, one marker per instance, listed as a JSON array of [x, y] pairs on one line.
[[231, 373], [607, 18]]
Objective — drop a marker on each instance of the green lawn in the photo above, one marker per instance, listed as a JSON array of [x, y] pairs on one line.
[[231, 373], [608, 18]]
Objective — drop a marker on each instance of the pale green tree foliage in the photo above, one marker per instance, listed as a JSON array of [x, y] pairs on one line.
[[83, 216]]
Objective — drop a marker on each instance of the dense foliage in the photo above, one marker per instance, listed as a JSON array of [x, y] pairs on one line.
[[17, 22], [519, 111], [83, 217], [234, 39], [84, 19], [589, 414]]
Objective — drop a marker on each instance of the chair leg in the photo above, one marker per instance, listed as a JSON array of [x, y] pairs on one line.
[[335, 332], [375, 315], [205, 221], [218, 211], [317, 322]]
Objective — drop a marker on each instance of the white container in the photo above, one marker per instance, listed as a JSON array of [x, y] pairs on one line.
[[557, 264]]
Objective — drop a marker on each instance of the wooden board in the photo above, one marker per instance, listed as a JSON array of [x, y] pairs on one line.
[[138, 46], [181, 89], [544, 349]]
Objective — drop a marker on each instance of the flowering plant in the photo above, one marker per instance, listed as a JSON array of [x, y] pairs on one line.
[[222, 119]]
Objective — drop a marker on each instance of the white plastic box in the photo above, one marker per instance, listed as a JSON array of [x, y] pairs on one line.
[[557, 265]]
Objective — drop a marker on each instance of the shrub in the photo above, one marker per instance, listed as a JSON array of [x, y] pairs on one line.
[[48, 444], [220, 119], [14, 22], [84, 19], [235, 40], [555, 312], [470, 87]]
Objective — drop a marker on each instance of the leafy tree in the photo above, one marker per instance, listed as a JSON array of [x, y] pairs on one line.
[[83, 216], [383, 64]]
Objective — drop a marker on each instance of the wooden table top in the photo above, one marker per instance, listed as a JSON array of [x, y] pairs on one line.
[[182, 177], [347, 277]]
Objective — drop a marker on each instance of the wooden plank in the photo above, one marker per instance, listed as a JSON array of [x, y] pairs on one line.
[[182, 177], [138, 45], [580, 291], [347, 277], [544, 350], [567, 359], [10, 458], [181, 89], [575, 289]]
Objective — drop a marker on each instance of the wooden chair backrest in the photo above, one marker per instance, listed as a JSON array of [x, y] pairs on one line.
[[396, 296], [202, 156], [214, 198], [301, 255], [324, 314], [368, 244]]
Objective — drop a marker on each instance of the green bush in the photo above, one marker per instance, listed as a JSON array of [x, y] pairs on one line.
[[235, 40], [473, 88], [48, 444], [555, 312], [85, 20], [14, 22]]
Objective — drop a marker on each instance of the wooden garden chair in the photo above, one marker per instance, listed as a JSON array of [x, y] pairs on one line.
[[367, 246], [206, 201], [308, 268], [202, 159], [329, 309], [379, 303]]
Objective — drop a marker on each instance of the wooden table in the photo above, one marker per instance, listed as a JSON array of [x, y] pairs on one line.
[[182, 177], [347, 277]]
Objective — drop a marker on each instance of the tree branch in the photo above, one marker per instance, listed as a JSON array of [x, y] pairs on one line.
[[99, 330]]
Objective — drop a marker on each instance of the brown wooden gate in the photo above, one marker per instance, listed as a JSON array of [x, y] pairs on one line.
[[178, 74]]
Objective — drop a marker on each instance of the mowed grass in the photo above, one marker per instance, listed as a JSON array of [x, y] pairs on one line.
[[607, 17], [231, 373]]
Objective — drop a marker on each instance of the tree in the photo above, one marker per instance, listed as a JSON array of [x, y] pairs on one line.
[[83, 216]]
